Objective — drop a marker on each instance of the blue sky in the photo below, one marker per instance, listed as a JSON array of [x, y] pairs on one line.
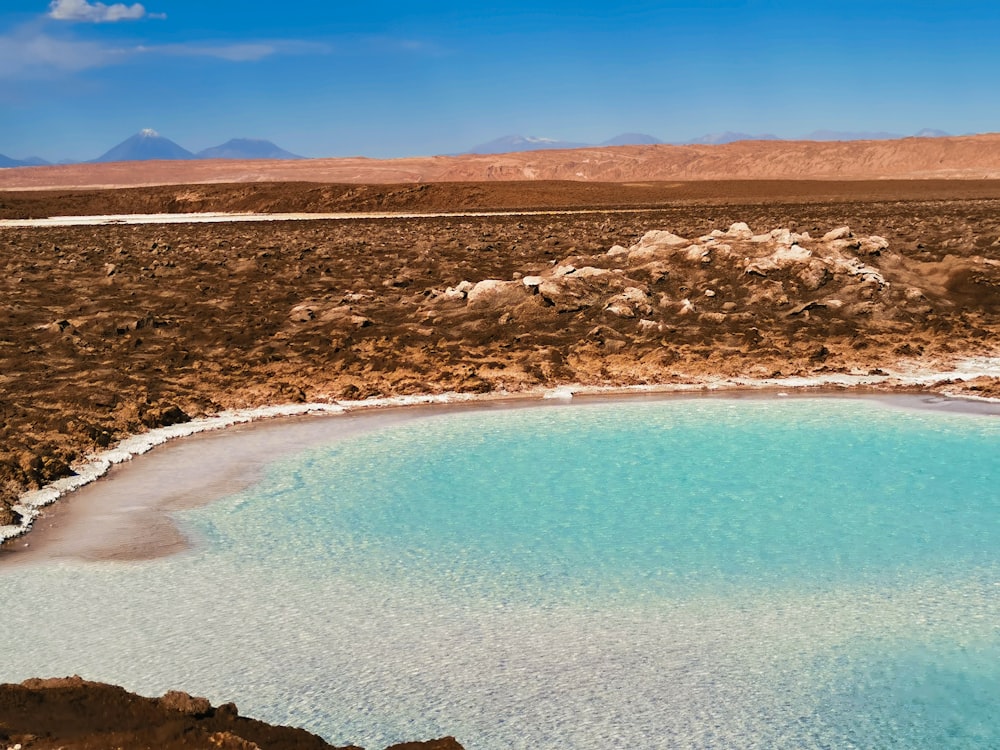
[[387, 79]]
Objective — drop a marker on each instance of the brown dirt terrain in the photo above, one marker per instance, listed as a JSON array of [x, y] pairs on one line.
[[976, 157], [473, 196], [74, 714]]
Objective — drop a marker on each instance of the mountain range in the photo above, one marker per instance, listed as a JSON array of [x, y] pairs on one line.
[[31, 161], [148, 145], [515, 143], [966, 157]]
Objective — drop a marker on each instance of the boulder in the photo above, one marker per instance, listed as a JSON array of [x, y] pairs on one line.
[[564, 269], [629, 302], [302, 313], [782, 257], [814, 275], [840, 233], [656, 243], [459, 291], [782, 236], [635, 294], [590, 272], [496, 293], [873, 245], [854, 267], [663, 238], [698, 253], [185, 704], [739, 231], [620, 308], [850, 243], [569, 294]]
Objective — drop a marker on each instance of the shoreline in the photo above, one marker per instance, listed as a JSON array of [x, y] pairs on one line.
[[112, 523]]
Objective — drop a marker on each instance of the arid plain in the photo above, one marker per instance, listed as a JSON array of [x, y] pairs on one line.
[[644, 278]]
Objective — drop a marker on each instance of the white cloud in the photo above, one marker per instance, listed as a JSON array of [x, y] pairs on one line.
[[233, 52], [31, 52], [81, 10], [395, 45], [27, 53], [242, 52]]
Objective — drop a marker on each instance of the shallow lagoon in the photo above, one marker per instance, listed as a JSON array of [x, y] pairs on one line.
[[676, 573]]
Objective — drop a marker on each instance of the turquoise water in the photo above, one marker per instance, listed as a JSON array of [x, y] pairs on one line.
[[686, 573]]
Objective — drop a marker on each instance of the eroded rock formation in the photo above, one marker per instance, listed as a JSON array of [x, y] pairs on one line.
[[733, 273]]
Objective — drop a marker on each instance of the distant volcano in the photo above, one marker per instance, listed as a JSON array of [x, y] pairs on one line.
[[146, 145], [247, 148]]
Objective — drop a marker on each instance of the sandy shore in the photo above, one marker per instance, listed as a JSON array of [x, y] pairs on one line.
[[119, 509]]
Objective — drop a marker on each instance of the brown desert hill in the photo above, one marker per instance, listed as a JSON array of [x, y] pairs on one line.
[[908, 158]]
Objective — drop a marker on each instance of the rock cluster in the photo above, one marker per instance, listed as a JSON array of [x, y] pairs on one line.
[[733, 275]]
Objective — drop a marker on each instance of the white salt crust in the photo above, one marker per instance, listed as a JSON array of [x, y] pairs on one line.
[[218, 217]]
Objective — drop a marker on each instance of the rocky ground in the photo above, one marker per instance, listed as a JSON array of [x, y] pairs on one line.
[[110, 330], [289, 197], [74, 714]]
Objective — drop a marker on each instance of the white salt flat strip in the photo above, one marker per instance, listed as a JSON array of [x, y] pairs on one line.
[[227, 218]]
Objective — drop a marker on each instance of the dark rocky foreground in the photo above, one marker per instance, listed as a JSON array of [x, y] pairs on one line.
[[74, 714]]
